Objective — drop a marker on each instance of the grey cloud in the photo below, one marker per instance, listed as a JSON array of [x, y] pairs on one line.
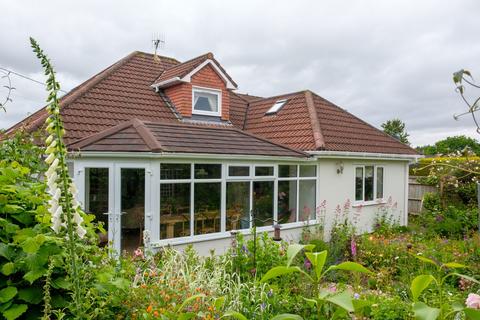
[[377, 59]]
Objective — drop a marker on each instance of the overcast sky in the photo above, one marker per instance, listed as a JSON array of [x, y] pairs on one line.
[[377, 59]]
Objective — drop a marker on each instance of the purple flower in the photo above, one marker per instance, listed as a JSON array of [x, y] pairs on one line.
[[263, 306], [245, 249], [270, 293], [353, 247], [439, 218], [356, 296], [307, 264]]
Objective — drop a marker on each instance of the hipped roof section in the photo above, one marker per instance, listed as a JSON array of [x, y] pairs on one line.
[[167, 137]]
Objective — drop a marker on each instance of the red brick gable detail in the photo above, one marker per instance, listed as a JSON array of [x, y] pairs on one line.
[[207, 77]]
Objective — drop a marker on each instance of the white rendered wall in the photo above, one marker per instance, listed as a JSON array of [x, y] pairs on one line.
[[339, 190]]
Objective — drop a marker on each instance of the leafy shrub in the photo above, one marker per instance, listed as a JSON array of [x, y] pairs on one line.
[[26, 250]]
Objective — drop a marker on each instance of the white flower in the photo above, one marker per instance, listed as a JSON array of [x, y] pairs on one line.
[[81, 232], [77, 218], [50, 158], [49, 139]]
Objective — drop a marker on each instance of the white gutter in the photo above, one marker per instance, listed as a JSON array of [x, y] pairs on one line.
[[363, 155], [160, 84], [163, 155]]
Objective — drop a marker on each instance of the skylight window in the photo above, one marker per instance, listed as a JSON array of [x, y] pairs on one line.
[[276, 107]]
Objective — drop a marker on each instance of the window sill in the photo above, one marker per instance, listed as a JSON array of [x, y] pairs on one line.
[[226, 235], [369, 203]]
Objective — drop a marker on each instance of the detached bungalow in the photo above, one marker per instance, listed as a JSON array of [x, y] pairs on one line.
[[171, 148]]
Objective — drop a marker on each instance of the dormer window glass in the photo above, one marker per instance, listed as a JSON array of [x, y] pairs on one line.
[[206, 101], [276, 107]]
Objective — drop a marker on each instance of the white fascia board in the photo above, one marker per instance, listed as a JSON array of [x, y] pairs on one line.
[[188, 77], [364, 155], [170, 155], [166, 83]]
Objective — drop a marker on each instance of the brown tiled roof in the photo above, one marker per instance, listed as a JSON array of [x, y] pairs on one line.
[[184, 68], [123, 91], [144, 136], [310, 123], [117, 94]]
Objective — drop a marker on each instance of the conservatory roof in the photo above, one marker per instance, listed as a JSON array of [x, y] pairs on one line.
[[170, 137]]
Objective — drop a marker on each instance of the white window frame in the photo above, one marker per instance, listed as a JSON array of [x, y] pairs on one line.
[[298, 179], [375, 199], [216, 92]]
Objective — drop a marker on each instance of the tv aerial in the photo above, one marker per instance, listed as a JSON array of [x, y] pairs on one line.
[[158, 42]]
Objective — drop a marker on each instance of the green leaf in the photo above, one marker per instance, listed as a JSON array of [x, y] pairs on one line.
[[287, 316], [360, 304], [350, 266], [218, 303], [33, 275], [457, 76], [280, 271], [15, 311], [454, 265], [31, 245], [32, 295], [465, 277], [472, 314], [318, 261], [424, 312], [188, 300], [419, 284], [234, 314], [343, 300], [8, 268], [292, 252], [187, 316], [426, 260], [7, 294]]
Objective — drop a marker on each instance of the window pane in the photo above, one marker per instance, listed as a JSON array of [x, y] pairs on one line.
[[96, 196], [287, 201], [306, 200], [132, 181], [238, 205], [174, 210], [174, 171], [358, 184], [207, 207], [208, 171], [308, 171], [263, 171], [263, 202], [368, 183], [286, 171], [235, 171], [204, 101], [379, 183]]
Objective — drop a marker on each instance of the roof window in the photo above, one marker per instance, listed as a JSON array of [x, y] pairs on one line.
[[276, 107]]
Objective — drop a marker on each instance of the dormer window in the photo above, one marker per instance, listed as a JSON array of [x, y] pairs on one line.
[[206, 101], [276, 107]]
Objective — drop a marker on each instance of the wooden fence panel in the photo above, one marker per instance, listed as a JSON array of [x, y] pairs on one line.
[[416, 191]]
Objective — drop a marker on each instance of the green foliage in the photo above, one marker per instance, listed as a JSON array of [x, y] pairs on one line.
[[320, 297], [442, 309], [26, 248], [451, 145], [396, 129], [21, 148]]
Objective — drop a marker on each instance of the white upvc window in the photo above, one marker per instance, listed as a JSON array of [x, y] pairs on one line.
[[206, 101], [369, 183]]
